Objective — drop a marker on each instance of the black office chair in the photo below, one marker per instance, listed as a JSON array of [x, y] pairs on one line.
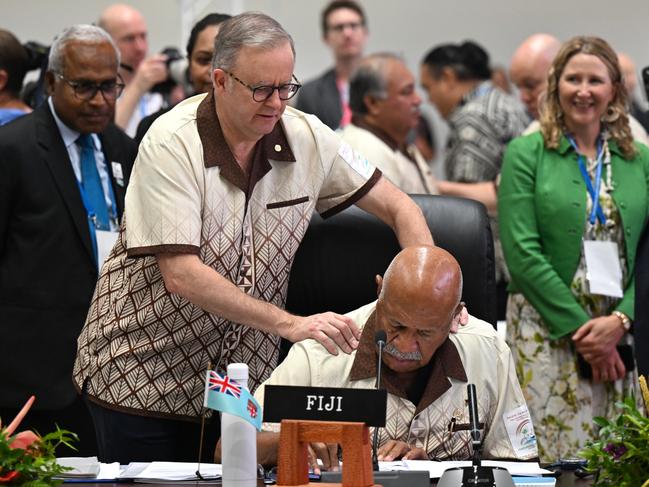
[[337, 261]]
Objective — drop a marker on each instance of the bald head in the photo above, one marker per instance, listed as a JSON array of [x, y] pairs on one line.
[[627, 66], [418, 298], [422, 277], [529, 68], [128, 29]]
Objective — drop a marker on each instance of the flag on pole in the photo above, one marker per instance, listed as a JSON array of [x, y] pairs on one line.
[[226, 395]]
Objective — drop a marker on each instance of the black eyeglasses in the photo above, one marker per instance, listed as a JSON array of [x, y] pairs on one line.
[[87, 90], [264, 92], [353, 26]]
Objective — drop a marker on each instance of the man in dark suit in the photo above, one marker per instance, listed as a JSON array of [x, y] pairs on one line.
[[344, 30], [63, 175]]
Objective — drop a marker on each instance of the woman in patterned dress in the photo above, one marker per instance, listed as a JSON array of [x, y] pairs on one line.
[[548, 219]]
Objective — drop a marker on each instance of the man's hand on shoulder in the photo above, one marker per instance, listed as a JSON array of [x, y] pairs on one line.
[[395, 450], [331, 330], [460, 319]]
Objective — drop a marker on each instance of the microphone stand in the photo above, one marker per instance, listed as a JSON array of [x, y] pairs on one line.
[[380, 337], [414, 478], [476, 474]]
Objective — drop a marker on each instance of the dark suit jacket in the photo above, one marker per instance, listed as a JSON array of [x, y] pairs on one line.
[[47, 269], [321, 97], [641, 318]]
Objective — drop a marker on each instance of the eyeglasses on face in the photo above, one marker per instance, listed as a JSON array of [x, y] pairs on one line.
[[87, 90], [262, 93], [339, 28]]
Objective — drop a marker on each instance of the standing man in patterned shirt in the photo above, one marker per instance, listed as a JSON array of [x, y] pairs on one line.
[[482, 120], [221, 195]]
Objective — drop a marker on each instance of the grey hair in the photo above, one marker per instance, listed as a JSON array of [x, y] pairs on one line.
[[82, 33], [249, 29], [370, 79]]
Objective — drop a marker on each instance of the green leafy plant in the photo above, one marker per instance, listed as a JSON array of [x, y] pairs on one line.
[[620, 456], [35, 464]]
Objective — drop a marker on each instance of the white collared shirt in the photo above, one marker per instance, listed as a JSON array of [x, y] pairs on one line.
[[70, 137]]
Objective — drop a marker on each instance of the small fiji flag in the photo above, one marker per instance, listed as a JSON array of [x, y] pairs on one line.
[[226, 395]]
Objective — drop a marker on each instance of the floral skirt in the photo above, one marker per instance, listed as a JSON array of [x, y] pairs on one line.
[[561, 403]]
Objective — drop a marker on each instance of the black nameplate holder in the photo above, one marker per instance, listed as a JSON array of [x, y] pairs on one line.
[[325, 404]]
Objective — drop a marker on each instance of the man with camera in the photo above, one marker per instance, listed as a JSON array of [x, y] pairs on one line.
[[63, 174], [140, 73]]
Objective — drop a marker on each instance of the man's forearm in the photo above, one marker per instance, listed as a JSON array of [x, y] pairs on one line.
[[399, 211], [267, 447], [186, 276], [484, 192]]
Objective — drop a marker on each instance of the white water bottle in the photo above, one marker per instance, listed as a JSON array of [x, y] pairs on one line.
[[238, 441]]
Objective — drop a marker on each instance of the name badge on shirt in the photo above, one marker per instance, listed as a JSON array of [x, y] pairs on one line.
[[117, 173], [603, 268], [105, 243], [520, 431]]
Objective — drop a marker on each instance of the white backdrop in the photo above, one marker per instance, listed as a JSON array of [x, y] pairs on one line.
[[410, 27]]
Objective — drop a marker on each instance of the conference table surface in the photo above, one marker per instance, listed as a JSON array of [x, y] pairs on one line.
[[564, 480]]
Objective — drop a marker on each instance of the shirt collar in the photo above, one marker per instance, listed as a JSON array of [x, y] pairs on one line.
[[446, 362], [360, 122], [69, 135], [479, 90], [216, 152]]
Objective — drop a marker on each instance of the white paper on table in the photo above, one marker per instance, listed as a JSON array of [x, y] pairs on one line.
[[108, 471], [436, 469], [178, 471], [82, 467], [603, 268]]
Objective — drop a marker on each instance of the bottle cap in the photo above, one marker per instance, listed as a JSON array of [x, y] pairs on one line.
[[238, 372]]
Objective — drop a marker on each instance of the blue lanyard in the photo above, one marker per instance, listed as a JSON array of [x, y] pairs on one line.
[[596, 211], [92, 218]]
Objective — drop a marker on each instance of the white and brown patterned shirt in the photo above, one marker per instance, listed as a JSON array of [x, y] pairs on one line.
[[439, 422], [480, 128], [403, 165], [144, 350]]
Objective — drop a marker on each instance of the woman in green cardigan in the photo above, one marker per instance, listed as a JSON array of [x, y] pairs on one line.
[[568, 322]]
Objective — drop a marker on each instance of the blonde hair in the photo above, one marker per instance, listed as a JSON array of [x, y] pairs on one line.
[[615, 121]]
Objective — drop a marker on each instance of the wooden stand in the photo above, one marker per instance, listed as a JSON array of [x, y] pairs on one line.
[[295, 436]]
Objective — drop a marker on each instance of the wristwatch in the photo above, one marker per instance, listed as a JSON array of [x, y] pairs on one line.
[[626, 322]]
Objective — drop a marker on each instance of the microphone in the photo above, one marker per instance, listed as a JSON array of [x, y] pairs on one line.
[[411, 478], [475, 474], [380, 337], [474, 421]]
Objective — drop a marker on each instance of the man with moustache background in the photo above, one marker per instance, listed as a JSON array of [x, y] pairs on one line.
[[426, 368]]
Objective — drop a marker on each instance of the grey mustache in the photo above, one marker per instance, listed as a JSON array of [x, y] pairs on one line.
[[395, 352]]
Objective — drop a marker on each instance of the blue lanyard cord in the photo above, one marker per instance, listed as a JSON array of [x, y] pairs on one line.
[[92, 219], [596, 211], [112, 210]]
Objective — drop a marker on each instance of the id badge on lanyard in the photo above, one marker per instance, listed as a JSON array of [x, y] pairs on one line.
[[603, 269]]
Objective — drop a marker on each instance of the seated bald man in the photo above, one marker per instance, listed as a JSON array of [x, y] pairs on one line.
[[425, 370]]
